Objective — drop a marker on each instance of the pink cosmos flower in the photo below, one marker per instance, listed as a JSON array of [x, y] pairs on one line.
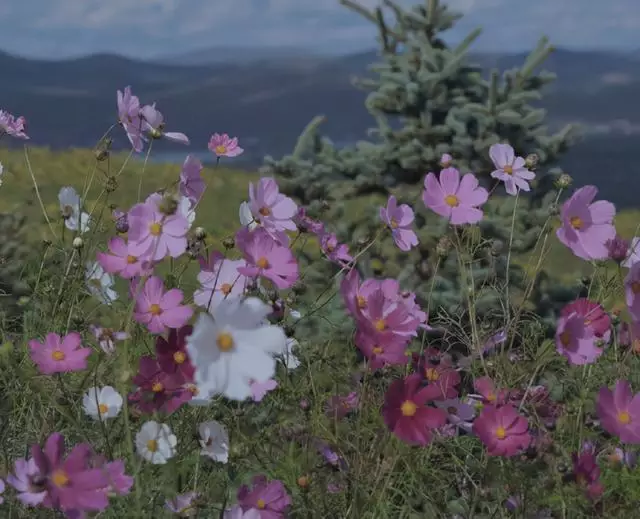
[[28, 481], [336, 252], [121, 219], [267, 258], [587, 473], [172, 354], [618, 250], [633, 253], [223, 146], [153, 123], [382, 349], [619, 412], [192, 184], [59, 355], [489, 394], [119, 483], [502, 430], [439, 372], [260, 389], [160, 310], [587, 225], [510, 169], [339, 406], [306, 223], [576, 341], [153, 235], [381, 312], [405, 412], [453, 198], [219, 279], [632, 291], [121, 262], [15, 127], [594, 316], [157, 390], [270, 498], [107, 338], [183, 504], [399, 220], [271, 209], [129, 117]]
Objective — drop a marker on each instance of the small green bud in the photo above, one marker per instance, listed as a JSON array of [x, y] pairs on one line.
[[78, 243], [531, 162], [443, 247], [564, 181], [200, 233], [229, 243]]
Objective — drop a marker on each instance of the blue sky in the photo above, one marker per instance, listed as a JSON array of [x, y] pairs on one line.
[[144, 28]]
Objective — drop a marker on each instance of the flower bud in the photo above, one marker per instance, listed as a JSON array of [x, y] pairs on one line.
[[299, 287], [531, 162], [111, 184], [497, 247], [200, 233], [229, 243], [564, 181], [77, 243], [443, 247]]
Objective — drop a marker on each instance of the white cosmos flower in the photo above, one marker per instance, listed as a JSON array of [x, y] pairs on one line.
[[246, 217], [102, 403], [1, 172], [288, 357], [184, 208], [100, 283], [233, 346], [70, 204], [156, 443], [214, 440]]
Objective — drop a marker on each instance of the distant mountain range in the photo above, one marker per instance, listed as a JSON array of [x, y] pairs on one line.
[[267, 98]]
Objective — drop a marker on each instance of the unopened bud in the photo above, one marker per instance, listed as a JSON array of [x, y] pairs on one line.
[[299, 288], [531, 162], [111, 184], [564, 181], [443, 247], [446, 160], [303, 481], [229, 243], [77, 243], [497, 247], [200, 233], [169, 205]]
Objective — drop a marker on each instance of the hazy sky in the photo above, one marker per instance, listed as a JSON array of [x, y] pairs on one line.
[[58, 28]]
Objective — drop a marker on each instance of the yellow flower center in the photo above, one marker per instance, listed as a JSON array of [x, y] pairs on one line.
[[394, 223], [155, 309], [179, 357], [131, 259], [432, 374], [501, 433], [152, 445], [221, 149], [224, 341], [508, 170], [262, 263], [59, 478], [261, 504], [377, 350], [157, 387], [380, 325], [565, 338], [194, 389], [155, 229], [624, 417], [103, 409], [58, 355], [264, 211], [408, 408], [452, 200], [361, 302], [226, 289], [576, 222], [491, 397]]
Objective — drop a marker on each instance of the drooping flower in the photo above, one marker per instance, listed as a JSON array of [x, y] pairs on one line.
[[102, 403], [100, 283], [159, 310], [271, 209], [223, 146], [270, 498], [453, 198], [59, 354], [192, 184], [587, 473], [339, 406], [214, 441], [446, 160], [510, 169], [587, 226], [183, 505], [129, 117], [121, 220], [13, 126], [107, 337], [459, 413], [234, 347], [307, 224], [618, 250], [576, 341], [121, 262], [28, 481], [289, 358], [489, 394], [399, 220], [71, 208], [619, 412], [153, 123], [633, 253], [267, 258], [156, 443], [502, 430], [219, 279], [438, 370], [335, 251]]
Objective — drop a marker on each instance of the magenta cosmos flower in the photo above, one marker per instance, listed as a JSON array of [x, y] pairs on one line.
[[399, 220], [619, 412], [13, 126], [153, 123], [405, 412], [173, 357], [154, 235], [454, 198], [223, 146], [121, 262], [271, 209], [270, 498], [267, 258], [129, 117], [192, 184], [336, 252], [594, 316], [587, 226], [381, 313], [587, 473], [219, 279], [502, 430], [160, 310], [59, 355], [382, 349], [510, 169], [489, 394], [576, 341]]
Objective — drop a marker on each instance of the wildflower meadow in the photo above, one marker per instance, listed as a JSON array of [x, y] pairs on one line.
[[156, 370]]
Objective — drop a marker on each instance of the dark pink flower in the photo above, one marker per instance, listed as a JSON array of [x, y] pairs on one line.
[[502, 430], [593, 314], [270, 498], [405, 412], [382, 349], [399, 220], [223, 146], [306, 223], [172, 354], [192, 184], [488, 392], [576, 341], [157, 390], [59, 355], [619, 412], [160, 310], [587, 226], [121, 262], [439, 372], [453, 198], [267, 258], [382, 313], [587, 473]]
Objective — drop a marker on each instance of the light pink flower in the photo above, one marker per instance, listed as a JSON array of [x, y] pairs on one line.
[[632, 291], [271, 209], [107, 337], [59, 355], [192, 184], [129, 117], [619, 412], [270, 498], [260, 389], [153, 123], [336, 252], [453, 198], [382, 349], [576, 341], [399, 220], [510, 169], [13, 126], [160, 310], [219, 279], [223, 146], [121, 262]]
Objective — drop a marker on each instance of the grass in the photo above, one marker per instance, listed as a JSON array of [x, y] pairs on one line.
[[382, 477]]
